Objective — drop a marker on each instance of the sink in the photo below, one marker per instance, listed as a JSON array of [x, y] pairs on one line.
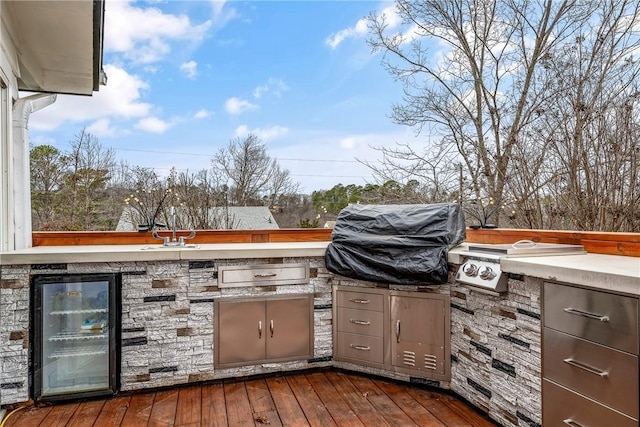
[[153, 247]]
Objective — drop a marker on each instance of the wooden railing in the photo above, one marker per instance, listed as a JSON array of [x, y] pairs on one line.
[[627, 244]]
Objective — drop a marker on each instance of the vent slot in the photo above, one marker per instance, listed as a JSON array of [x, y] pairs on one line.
[[409, 358], [431, 362]]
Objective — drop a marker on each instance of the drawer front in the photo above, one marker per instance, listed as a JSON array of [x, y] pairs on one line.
[[601, 373], [360, 300], [562, 408], [605, 318], [360, 347], [260, 275], [363, 322]]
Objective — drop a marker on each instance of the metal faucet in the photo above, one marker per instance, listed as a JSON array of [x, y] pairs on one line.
[[173, 242]]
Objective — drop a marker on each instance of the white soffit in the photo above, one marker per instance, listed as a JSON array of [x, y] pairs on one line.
[[55, 41]]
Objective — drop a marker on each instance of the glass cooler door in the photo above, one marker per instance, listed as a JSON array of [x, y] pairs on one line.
[[75, 336]]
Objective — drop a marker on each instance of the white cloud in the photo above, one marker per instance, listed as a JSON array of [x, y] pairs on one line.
[[266, 134], [153, 125], [119, 98], [190, 69], [360, 28], [237, 106], [144, 35], [101, 127], [274, 86], [202, 114]]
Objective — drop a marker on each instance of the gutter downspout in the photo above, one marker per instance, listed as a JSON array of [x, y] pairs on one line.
[[21, 176]]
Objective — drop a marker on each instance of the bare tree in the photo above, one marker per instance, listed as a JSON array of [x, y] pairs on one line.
[[48, 172], [254, 178]]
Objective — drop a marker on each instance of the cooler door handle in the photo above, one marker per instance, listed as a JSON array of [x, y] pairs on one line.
[[397, 331]]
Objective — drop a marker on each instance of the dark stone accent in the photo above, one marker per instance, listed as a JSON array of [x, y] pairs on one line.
[[504, 367], [459, 295], [194, 378], [184, 332], [134, 273], [162, 283], [136, 329], [479, 388], [143, 378], [272, 288], [10, 284], [463, 309], [6, 386], [514, 340], [214, 275], [424, 381], [159, 298], [529, 313], [201, 264], [163, 369], [127, 342], [513, 420], [48, 266], [527, 420], [320, 359], [518, 277], [454, 358], [481, 348], [322, 306], [16, 335], [179, 311], [211, 288], [199, 301], [504, 313], [313, 273]]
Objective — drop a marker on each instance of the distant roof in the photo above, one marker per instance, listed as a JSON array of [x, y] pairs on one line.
[[239, 218]]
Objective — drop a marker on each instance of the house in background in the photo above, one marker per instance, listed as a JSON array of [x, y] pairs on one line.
[[47, 47], [220, 218]]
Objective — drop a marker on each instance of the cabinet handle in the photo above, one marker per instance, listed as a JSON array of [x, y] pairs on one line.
[[265, 275], [359, 300], [571, 423], [360, 347], [360, 322], [586, 367], [397, 331], [271, 328], [577, 312], [259, 329]]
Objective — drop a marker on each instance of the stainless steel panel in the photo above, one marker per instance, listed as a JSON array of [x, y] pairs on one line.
[[605, 318], [241, 331], [601, 373], [361, 300], [563, 408], [360, 347], [363, 322], [290, 328], [259, 275]]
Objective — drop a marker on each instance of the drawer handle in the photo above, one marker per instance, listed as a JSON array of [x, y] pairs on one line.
[[577, 312], [397, 331], [360, 322], [260, 275], [359, 300], [259, 329], [360, 347], [586, 367], [271, 328], [571, 423]]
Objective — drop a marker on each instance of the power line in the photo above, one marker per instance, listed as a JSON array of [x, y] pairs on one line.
[[319, 176]]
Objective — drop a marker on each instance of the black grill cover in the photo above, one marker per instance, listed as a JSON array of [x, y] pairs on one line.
[[399, 244]]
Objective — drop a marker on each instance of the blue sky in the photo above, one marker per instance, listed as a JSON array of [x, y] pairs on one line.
[[186, 77]]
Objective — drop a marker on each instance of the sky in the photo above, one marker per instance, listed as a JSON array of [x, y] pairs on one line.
[[187, 77]]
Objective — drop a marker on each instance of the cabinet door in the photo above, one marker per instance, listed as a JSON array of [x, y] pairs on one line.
[[289, 328], [242, 332], [418, 334]]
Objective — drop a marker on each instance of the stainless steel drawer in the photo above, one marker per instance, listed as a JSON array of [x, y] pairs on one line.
[[361, 347], [361, 300], [564, 408], [230, 276], [363, 322], [601, 373], [605, 318]]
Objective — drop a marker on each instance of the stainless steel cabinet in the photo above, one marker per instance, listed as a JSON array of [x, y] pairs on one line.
[[251, 331], [392, 330]]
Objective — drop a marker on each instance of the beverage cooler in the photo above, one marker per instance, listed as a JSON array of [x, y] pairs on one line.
[[75, 350]]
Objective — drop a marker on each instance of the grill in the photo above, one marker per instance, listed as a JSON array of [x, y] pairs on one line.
[[481, 269]]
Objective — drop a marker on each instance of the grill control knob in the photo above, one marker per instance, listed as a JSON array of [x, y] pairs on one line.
[[470, 269], [486, 273]]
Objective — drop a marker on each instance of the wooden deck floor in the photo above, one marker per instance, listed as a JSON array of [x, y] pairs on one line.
[[320, 398]]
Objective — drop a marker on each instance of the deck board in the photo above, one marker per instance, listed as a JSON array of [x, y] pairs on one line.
[[322, 398]]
